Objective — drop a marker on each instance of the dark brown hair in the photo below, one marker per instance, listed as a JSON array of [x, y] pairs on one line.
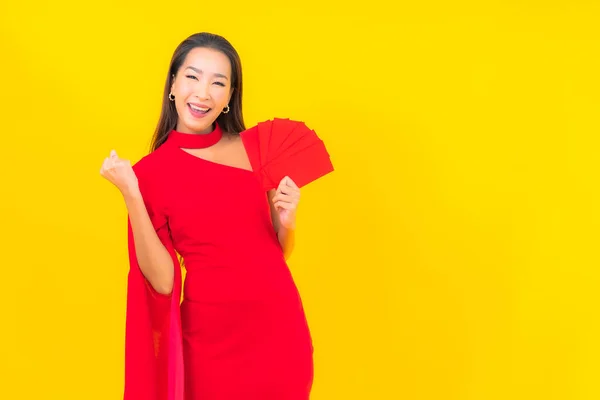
[[233, 121]]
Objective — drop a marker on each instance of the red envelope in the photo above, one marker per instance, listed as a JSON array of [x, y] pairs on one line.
[[283, 147]]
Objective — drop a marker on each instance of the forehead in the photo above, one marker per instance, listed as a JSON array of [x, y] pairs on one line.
[[208, 60]]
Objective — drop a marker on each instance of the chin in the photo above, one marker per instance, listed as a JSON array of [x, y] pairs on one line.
[[203, 126]]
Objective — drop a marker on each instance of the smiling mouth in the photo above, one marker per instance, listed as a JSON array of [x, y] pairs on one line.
[[199, 110]]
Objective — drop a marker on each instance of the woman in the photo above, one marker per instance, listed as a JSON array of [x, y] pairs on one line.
[[240, 331]]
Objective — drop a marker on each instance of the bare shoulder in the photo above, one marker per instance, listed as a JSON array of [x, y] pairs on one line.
[[235, 152], [233, 142]]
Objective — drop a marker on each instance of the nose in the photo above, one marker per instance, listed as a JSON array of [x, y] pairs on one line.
[[201, 91]]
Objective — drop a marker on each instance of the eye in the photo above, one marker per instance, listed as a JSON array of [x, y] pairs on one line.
[[191, 77], [220, 83]]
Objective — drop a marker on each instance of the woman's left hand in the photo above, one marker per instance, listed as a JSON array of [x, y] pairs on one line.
[[285, 201]]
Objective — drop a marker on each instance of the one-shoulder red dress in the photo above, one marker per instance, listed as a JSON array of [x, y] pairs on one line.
[[239, 330]]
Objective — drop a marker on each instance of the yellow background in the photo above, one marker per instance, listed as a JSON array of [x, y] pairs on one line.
[[453, 254]]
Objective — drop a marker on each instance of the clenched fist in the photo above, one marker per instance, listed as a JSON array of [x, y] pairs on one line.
[[120, 173]]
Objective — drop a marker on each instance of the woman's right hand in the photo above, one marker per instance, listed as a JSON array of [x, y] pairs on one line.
[[120, 173]]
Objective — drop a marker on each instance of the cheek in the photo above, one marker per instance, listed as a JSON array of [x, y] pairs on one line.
[[181, 93], [181, 90], [220, 95]]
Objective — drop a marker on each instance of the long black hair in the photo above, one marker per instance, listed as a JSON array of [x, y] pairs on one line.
[[233, 121]]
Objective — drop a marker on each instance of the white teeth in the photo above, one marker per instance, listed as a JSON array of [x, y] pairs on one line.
[[199, 109]]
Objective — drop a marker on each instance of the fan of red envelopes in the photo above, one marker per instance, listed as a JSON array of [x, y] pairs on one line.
[[283, 147]]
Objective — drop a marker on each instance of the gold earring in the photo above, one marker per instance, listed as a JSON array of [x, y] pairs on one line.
[[225, 112]]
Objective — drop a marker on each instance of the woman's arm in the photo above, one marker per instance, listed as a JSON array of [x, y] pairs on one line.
[[154, 260]]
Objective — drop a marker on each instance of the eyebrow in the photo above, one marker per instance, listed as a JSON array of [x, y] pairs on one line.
[[200, 71]]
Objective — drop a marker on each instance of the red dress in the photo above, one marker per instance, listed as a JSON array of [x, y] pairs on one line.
[[240, 331]]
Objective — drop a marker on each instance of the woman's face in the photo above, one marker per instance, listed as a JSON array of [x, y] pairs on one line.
[[202, 89]]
